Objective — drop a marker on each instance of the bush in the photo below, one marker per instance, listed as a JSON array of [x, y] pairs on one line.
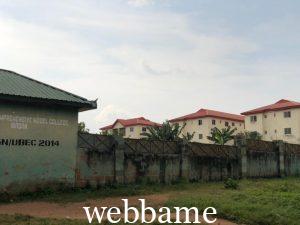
[[231, 184]]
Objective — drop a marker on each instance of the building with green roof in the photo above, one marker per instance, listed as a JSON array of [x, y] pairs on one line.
[[38, 133]]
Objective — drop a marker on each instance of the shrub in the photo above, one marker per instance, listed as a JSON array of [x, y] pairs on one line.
[[231, 184]]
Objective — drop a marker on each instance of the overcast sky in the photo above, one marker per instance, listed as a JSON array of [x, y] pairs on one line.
[[157, 59]]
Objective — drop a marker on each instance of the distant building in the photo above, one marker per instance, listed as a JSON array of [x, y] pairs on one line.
[[129, 128], [201, 122], [278, 121]]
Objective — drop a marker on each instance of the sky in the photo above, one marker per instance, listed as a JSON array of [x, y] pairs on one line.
[[157, 59]]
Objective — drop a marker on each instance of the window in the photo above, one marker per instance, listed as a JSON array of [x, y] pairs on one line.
[[232, 124], [131, 129], [266, 132], [275, 131], [213, 122], [200, 136], [287, 131], [265, 116], [287, 114], [253, 118], [122, 132], [144, 129], [274, 114], [200, 122], [226, 124], [240, 124]]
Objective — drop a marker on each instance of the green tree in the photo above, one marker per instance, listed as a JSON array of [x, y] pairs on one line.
[[253, 135], [165, 132], [188, 136], [82, 127], [221, 137]]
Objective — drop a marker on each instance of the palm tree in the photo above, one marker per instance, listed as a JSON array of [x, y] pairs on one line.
[[221, 137], [188, 136], [82, 128], [165, 132]]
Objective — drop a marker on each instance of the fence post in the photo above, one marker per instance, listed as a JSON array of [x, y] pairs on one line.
[[119, 160], [184, 162], [281, 150], [241, 144]]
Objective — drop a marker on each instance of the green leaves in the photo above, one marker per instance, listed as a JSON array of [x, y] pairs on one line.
[[166, 132], [221, 137]]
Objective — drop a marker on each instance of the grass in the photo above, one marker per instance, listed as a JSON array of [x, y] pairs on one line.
[[78, 195], [254, 202]]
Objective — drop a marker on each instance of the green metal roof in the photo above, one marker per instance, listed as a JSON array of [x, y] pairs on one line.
[[14, 84]]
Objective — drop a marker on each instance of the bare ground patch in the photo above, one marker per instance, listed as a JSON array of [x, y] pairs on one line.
[[75, 211]]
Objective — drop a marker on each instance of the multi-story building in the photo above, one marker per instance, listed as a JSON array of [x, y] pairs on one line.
[[278, 121], [129, 128], [201, 123]]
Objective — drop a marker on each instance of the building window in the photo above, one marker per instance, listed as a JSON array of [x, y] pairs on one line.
[[274, 114], [240, 124], [131, 129], [226, 124], [265, 116], [232, 124], [200, 136], [200, 122], [144, 129], [287, 131], [213, 122], [266, 132], [287, 114], [253, 118], [275, 131], [122, 132]]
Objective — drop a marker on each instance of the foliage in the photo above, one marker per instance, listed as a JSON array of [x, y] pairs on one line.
[[221, 137], [253, 135], [165, 132], [82, 127], [188, 136], [231, 184]]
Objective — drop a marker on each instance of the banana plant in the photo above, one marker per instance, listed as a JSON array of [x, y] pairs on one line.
[[221, 137]]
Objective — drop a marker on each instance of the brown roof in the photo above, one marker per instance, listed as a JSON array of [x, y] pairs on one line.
[[280, 105], [131, 122], [210, 113]]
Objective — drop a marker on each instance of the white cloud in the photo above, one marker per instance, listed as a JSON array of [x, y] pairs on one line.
[[110, 113], [140, 3], [151, 64]]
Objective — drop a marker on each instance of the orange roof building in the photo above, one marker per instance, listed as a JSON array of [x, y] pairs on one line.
[[278, 121], [129, 128], [201, 122]]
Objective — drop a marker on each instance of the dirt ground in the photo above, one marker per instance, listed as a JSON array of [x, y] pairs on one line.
[[75, 211]]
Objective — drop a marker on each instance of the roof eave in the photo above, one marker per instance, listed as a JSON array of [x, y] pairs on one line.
[[269, 110], [88, 105]]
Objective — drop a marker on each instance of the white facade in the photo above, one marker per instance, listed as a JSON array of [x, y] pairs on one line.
[[276, 125]]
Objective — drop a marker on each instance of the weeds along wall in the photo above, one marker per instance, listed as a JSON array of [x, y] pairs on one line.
[[105, 160]]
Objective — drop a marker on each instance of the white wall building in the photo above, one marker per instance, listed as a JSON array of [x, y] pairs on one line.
[[278, 121]]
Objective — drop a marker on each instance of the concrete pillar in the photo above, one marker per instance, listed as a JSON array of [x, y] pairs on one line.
[[119, 160], [242, 147], [281, 149], [184, 162]]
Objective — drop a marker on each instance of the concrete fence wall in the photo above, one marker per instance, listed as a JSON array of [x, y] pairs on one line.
[[104, 160]]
